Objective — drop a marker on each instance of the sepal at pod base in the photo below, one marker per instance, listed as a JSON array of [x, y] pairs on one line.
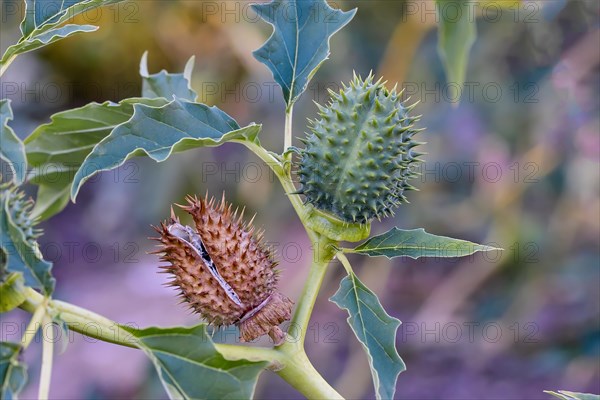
[[333, 227], [360, 153], [223, 270]]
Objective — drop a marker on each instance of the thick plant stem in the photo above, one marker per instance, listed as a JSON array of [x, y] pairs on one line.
[[47, 355], [81, 320], [298, 371], [300, 374], [98, 327], [290, 363], [301, 318]]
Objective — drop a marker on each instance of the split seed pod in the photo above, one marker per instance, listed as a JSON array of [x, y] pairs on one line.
[[223, 269]]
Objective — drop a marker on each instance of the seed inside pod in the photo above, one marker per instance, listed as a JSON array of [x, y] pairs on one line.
[[223, 270]]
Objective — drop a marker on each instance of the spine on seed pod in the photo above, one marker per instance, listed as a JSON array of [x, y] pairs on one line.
[[223, 270]]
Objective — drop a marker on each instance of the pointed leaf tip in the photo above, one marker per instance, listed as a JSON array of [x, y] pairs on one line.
[[299, 43], [375, 330], [166, 84], [456, 35], [416, 243]]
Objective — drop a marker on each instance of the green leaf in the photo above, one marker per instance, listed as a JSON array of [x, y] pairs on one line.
[[56, 150], [40, 13], [71, 135], [415, 243], [158, 132], [190, 367], [299, 43], [42, 24], [375, 330], [165, 84], [51, 199], [45, 39], [13, 374], [456, 34], [18, 242], [12, 150], [566, 395], [11, 292]]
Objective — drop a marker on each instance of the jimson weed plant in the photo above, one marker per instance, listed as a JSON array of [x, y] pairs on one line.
[[354, 169]]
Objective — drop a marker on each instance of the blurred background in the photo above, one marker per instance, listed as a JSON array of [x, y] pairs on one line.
[[515, 165]]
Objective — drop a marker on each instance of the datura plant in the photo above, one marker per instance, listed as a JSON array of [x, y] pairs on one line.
[[354, 169]]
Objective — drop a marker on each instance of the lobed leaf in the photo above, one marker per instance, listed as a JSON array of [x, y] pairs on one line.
[[456, 34], [375, 330], [158, 132], [44, 39], [40, 13], [190, 367], [56, 150], [415, 243], [18, 242], [299, 43], [13, 373], [12, 150], [166, 84], [43, 24]]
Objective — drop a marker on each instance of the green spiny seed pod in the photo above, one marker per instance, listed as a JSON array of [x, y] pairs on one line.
[[20, 210], [223, 270], [359, 157]]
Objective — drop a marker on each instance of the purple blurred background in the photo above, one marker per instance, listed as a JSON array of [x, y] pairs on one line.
[[515, 165]]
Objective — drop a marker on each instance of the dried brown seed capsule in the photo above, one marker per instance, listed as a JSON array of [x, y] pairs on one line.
[[223, 270]]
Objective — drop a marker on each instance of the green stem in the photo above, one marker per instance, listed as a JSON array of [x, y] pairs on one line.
[[34, 325], [278, 166], [271, 159], [96, 326], [290, 363], [81, 320], [288, 129], [322, 252], [345, 262], [300, 374], [301, 318], [298, 370], [4, 65], [47, 355]]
